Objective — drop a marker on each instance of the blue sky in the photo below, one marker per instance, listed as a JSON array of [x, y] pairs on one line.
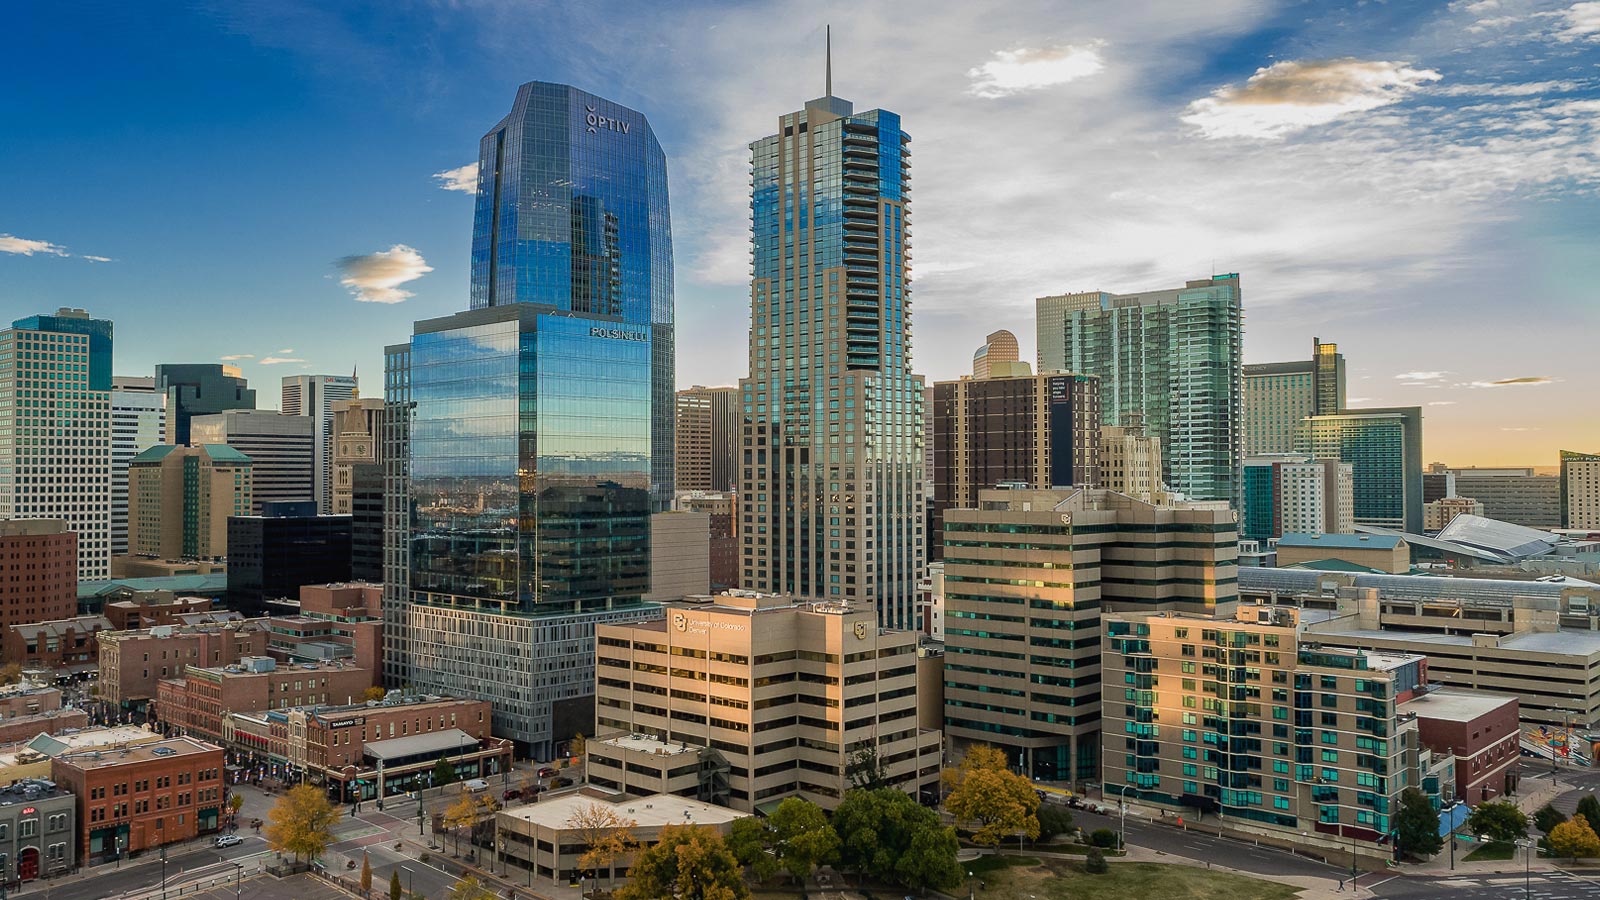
[[1416, 181]]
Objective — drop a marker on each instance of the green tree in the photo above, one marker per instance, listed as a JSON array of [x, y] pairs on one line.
[[301, 822], [1574, 839], [750, 840], [366, 874], [394, 885], [688, 862], [1499, 821], [1418, 824], [930, 861], [864, 770], [1589, 808], [1000, 802], [878, 828], [443, 773], [1095, 863], [802, 837], [1053, 820], [1548, 817], [470, 888]]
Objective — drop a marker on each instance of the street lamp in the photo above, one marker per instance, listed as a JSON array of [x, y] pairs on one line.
[[163, 872], [407, 870], [238, 880], [1528, 845], [1122, 830], [969, 887]]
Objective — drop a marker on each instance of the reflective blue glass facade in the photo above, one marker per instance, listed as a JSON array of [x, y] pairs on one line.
[[832, 494], [538, 423]]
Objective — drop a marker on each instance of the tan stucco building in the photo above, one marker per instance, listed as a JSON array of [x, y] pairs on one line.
[[543, 836], [180, 498], [742, 699]]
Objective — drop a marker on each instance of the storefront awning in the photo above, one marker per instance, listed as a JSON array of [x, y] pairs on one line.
[[438, 743]]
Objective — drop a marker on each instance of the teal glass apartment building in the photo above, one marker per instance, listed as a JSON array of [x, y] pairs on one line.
[[1168, 359], [1383, 446]]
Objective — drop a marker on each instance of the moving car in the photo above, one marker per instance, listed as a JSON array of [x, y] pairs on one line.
[[547, 772], [227, 840]]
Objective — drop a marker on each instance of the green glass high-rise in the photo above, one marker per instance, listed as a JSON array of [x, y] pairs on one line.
[[1171, 358], [1383, 446], [831, 497]]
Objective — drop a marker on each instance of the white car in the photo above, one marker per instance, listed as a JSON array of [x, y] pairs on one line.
[[227, 840]]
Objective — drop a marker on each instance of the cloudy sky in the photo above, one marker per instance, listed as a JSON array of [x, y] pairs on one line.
[[279, 184]]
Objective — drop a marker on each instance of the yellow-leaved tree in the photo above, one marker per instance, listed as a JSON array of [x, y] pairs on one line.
[[605, 834], [997, 802], [301, 823]]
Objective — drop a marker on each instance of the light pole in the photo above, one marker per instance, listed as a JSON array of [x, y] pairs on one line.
[[969, 887], [1528, 845], [238, 880], [163, 872], [1352, 859], [407, 870], [1122, 829]]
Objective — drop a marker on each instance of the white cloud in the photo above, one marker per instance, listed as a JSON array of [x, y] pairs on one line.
[[1520, 381], [376, 277], [1361, 399], [1290, 96], [286, 350], [97, 258], [25, 247], [1029, 69], [238, 356], [278, 360], [463, 179], [1441, 403], [1582, 22], [1510, 89], [1421, 376]]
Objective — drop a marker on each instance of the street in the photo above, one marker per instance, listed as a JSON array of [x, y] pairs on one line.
[[1235, 854], [1541, 886], [111, 879]]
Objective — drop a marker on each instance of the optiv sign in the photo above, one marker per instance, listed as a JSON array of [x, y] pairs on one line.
[[597, 122]]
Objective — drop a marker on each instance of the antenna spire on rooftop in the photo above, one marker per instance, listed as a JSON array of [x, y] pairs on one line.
[[828, 50]]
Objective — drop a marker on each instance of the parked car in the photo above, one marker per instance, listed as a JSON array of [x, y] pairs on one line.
[[227, 840], [547, 772], [513, 794]]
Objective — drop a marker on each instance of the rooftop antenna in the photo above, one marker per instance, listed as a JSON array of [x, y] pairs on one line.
[[828, 51]]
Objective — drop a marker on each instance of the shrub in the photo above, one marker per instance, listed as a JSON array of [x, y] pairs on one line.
[[1096, 863], [1103, 837]]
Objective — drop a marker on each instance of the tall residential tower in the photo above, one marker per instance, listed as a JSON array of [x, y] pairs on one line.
[[538, 424], [831, 499]]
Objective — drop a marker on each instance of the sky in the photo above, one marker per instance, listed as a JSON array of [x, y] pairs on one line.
[[279, 184]]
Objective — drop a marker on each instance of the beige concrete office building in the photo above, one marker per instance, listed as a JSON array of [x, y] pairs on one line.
[[357, 441], [743, 699], [542, 837], [1027, 576], [707, 435], [680, 555], [180, 498], [1130, 462]]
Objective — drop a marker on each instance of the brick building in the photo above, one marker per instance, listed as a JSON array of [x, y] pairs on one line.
[[61, 646], [141, 797], [27, 709], [1480, 730], [132, 663], [38, 571], [336, 621], [200, 700], [145, 609]]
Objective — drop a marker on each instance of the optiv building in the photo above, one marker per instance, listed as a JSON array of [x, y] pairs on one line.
[[536, 427]]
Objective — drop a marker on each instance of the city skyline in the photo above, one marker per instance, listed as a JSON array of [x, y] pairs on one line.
[[1368, 156]]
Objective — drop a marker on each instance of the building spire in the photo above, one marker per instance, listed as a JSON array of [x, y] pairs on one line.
[[828, 51]]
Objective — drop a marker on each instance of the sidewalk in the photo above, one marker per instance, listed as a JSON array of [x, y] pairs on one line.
[[1537, 790], [1311, 887]]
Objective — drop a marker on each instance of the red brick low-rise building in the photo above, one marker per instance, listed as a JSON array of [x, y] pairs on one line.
[[38, 571], [141, 797], [62, 646], [132, 663], [200, 700], [145, 609], [1480, 730]]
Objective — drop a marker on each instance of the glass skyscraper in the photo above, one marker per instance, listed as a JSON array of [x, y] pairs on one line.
[[538, 424], [1170, 359], [1383, 446], [832, 493]]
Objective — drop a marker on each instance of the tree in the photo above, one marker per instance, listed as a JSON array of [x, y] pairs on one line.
[[1418, 824], [1548, 817], [1095, 863], [688, 862], [470, 888], [1589, 808], [443, 773], [301, 823], [1499, 821], [235, 803], [10, 673], [394, 885], [984, 791], [366, 874], [1053, 820], [1574, 838], [750, 840], [605, 835], [930, 861], [462, 814], [1104, 838], [802, 837], [877, 830], [578, 746], [374, 693], [864, 770]]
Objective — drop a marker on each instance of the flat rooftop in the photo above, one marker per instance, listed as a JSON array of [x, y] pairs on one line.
[[1455, 705], [646, 812], [1576, 643], [646, 743], [167, 749]]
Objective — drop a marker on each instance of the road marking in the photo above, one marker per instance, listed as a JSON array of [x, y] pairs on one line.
[[1373, 887]]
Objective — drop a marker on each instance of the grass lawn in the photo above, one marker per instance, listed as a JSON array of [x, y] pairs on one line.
[[1492, 852], [1063, 880]]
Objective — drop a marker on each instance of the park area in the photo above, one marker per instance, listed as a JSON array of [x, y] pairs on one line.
[[1022, 878]]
